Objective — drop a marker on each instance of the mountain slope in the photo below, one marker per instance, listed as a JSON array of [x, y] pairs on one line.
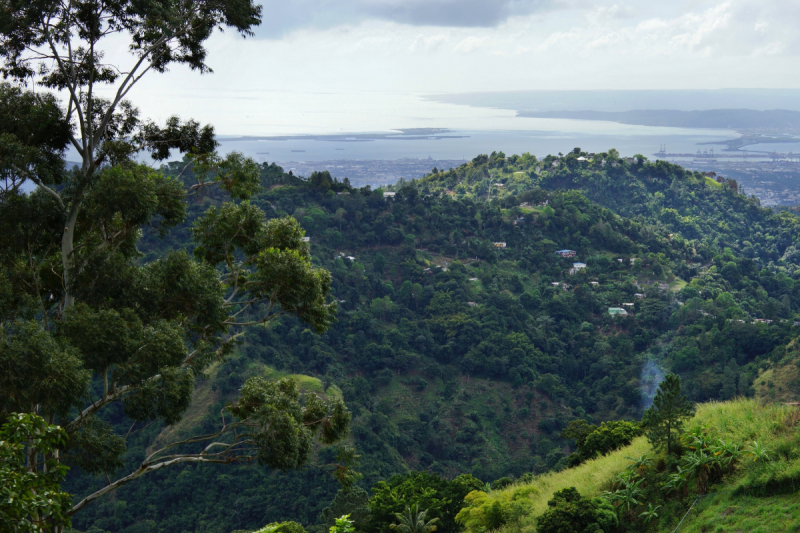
[[457, 355]]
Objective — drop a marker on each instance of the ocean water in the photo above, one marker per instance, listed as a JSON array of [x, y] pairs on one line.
[[472, 130]]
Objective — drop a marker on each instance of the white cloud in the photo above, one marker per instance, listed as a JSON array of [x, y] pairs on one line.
[[472, 43]]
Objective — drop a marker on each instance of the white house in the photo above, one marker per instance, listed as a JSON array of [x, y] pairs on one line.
[[499, 244], [389, 194]]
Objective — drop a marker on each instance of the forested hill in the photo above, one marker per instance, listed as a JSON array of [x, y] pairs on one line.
[[465, 343]]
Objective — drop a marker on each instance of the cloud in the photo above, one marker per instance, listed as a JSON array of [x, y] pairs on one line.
[[281, 17], [472, 43]]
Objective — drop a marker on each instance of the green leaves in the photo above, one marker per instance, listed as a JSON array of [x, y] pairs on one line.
[[38, 370], [30, 499], [283, 423], [665, 418]]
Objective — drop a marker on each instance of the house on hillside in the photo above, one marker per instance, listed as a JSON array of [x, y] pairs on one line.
[[594, 283], [577, 267], [627, 305], [639, 295], [306, 239], [567, 253], [617, 311], [499, 244], [388, 195]]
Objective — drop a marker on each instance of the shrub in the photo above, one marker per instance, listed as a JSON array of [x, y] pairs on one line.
[[571, 513]]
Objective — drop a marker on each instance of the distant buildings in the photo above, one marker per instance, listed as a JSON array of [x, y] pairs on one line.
[[577, 267], [617, 311], [567, 253], [499, 244], [306, 239], [388, 195]]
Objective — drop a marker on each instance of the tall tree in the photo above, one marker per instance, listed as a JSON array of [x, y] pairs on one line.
[[85, 322], [664, 419]]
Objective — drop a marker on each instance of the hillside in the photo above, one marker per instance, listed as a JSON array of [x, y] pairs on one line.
[[457, 354], [757, 495]]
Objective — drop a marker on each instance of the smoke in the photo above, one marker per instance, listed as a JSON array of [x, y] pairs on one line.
[[652, 376]]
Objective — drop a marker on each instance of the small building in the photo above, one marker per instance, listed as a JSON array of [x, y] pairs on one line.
[[388, 195], [567, 253], [306, 239], [343, 193], [619, 260], [582, 159], [473, 279], [763, 320], [594, 283], [617, 311], [350, 257], [627, 305], [633, 260], [556, 163], [576, 267], [639, 295], [556, 284], [472, 304], [499, 244], [663, 286]]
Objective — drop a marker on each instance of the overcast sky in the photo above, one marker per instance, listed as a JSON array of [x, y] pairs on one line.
[[444, 46]]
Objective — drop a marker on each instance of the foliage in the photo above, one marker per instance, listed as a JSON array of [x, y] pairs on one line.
[[441, 498], [282, 527], [670, 408], [31, 500], [352, 501], [343, 525], [570, 512], [593, 441], [412, 520]]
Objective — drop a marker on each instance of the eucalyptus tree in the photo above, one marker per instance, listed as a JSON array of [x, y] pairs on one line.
[[86, 322]]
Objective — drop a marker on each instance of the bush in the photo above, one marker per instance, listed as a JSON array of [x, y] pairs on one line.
[[609, 436], [282, 527], [571, 513]]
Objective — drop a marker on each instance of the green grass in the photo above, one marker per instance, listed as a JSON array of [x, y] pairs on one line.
[[755, 496], [304, 383], [727, 513], [711, 182]]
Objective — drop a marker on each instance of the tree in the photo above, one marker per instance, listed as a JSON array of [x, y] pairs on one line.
[[85, 322], [30, 498], [413, 521], [569, 512], [443, 499], [664, 419], [351, 501]]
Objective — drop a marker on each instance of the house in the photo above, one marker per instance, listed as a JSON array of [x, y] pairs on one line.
[[306, 239], [763, 320], [663, 286], [472, 304], [555, 284], [594, 283], [619, 260], [473, 279], [556, 163], [388, 195], [639, 295], [567, 253], [627, 305], [499, 244], [577, 267], [617, 311], [797, 323], [344, 193], [582, 159], [633, 260], [350, 257]]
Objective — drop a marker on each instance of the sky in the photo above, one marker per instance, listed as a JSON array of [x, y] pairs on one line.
[[356, 56]]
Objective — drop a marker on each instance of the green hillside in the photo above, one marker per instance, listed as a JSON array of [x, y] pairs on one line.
[[757, 495], [460, 355]]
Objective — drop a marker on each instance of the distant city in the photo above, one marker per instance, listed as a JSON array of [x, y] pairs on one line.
[[373, 172]]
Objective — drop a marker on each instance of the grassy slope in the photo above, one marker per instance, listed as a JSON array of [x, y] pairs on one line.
[[774, 425]]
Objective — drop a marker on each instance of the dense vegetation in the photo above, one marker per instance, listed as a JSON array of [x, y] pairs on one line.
[[456, 356]]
